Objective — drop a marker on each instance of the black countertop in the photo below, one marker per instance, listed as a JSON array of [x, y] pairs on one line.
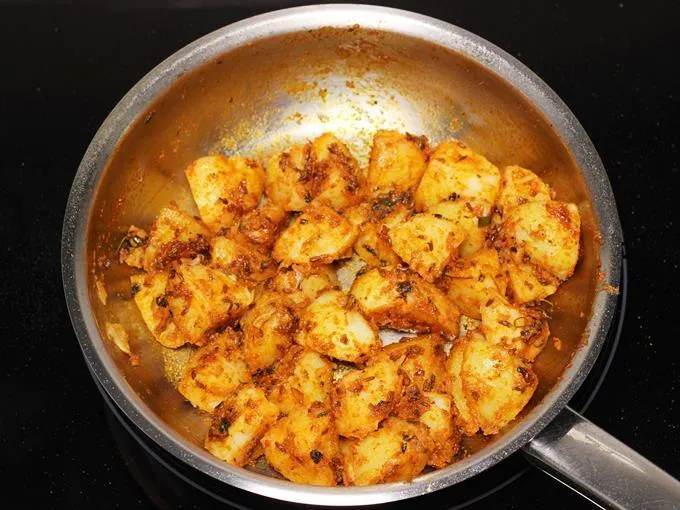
[[65, 66]]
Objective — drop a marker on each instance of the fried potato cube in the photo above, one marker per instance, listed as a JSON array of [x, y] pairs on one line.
[[545, 233], [330, 327], [437, 418], [465, 418], [398, 451], [455, 170], [520, 186], [476, 281], [495, 385], [423, 361], [175, 235], [523, 331], [261, 226], [214, 373], [268, 330], [303, 284], [149, 291], [288, 175], [133, 247], [363, 398], [426, 243], [224, 188], [397, 161], [403, 300], [459, 213], [239, 424], [202, 298], [528, 282], [318, 236], [336, 178], [303, 447], [245, 261]]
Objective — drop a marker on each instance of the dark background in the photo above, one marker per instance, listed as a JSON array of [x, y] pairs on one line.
[[64, 66]]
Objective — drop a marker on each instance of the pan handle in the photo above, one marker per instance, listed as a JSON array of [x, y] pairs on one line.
[[598, 466]]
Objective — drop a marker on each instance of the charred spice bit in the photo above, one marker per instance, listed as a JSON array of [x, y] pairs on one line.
[[404, 288], [134, 241], [303, 221], [404, 446], [316, 456], [224, 425], [162, 301], [524, 373], [224, 201], [135, 289], [453, 196]]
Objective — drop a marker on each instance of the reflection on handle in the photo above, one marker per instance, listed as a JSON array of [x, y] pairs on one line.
[[600, 467]]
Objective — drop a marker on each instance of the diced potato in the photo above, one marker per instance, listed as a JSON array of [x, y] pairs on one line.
[[363, 398], [546, 234], [133, 247], [303, 447], [426, 243], [149, 291], [521, 330], [336, 178], [224, 188], [330, 327], [458, 212], [303, 284], [288, 176], [465, 418], [402, 300], [245, 261], [455, 170], [268, 330], [262, 225], [438, 420], [476, 281], [528, 282], [318, 236], [397, 161], [202, 298], [520, 186], [398, 451], [214, 373], [423, 362], [239, 424], [175, 235]]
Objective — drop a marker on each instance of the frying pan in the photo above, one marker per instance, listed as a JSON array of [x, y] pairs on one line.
[[264, 83]]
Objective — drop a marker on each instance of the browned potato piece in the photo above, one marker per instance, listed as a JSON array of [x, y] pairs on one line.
[[303, 284], [423, 362], [521, 330], [544, 233], [202, 299], [363, 398], [458, 212], [455, 170], [303, 447], [149, 290], [520, 186], [224, 188], [465, 418], [528, 282], [318, 236], [214, 372], [426, 243], [403, 300], [476, 281], [288, 175], [398, 451], [330, 327], [261, 226], [397, 161], [336, 178], [268, 330], [239, 424], [175, 235], [133, 247], [245, 261], [437, 418]]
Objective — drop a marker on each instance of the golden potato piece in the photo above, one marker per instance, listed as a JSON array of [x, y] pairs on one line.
[[528, 282], [423, 361], [132, 248], [268, 330], [318, 236], [403, 300], [149, 291], [336, 177], [288, 176], [261, 226], [239, 424], [458, 212], [546, 234], [398, 451], [245, 261], [397, 161], [465, 418], [520, 186], [437, 418], [521, 330], [303, 447], [224, 188], [363, 398], [456, 171], [426, 243], [119, 336], [214, 372], [303, 284], [476, 281], [202, 299], [330, 327], [174, 236]]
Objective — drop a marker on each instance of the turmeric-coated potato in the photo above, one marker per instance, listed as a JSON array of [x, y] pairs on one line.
[[438, 419], [528, 282], [303, 284], [133, 247], [288, 175], [521, 186], [397, 162], [461, 214], [149, 292], [248, 262], [423, 361], [261, 226]]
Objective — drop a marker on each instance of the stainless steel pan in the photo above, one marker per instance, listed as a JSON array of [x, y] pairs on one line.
[[268, 81]]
